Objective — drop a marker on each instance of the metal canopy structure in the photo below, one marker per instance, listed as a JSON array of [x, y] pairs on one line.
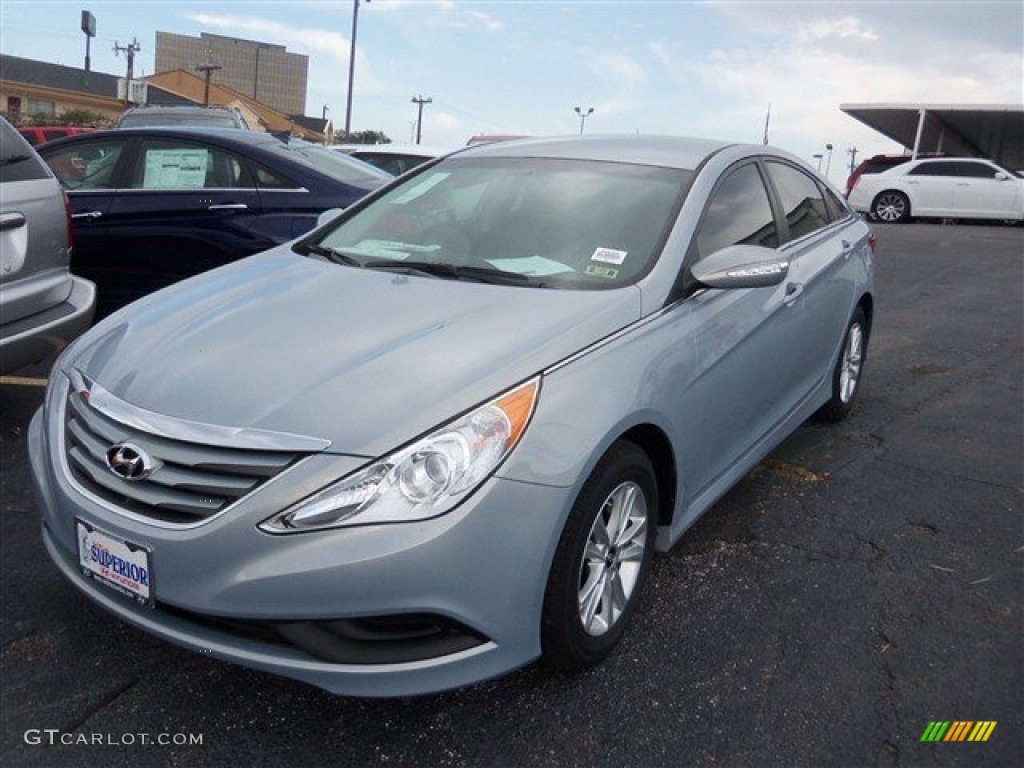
[[995, 131]]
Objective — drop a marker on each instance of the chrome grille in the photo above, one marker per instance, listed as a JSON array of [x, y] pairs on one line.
[[189, 482]]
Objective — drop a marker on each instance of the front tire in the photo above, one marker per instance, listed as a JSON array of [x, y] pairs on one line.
[[891, 207], [602, 561], [846, 376]]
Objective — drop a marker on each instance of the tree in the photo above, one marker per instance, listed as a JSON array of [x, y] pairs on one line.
[[362, 137]]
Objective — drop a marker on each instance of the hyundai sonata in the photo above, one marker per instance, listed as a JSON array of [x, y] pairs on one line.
[[444, 434]]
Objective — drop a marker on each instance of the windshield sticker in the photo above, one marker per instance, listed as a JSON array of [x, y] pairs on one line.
[[596, 270], [536, 266], [609, 256], [420, 189], [390, 249], [175, 168]]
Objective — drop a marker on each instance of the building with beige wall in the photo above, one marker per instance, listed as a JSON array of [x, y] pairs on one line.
[[264, 72]]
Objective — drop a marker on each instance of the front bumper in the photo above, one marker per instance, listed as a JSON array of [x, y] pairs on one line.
[[483, 567]]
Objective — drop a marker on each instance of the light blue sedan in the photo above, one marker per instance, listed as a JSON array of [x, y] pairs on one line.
[[443, 435]]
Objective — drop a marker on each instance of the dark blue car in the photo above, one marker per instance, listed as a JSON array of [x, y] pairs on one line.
[[152, 206]]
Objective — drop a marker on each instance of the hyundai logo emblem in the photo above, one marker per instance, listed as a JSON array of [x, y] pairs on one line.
[[129, 462]]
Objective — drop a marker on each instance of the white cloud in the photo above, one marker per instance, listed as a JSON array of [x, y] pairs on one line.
[[846, 27]]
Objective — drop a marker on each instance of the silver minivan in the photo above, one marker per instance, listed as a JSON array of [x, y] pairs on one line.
[[42, 305]]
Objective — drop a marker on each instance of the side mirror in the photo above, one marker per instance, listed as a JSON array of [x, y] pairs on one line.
[[327, 216], [741, 266]]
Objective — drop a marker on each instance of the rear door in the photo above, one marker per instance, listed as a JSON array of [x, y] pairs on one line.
[[930, 186], [186, 207], [819, 289], [89, 171]]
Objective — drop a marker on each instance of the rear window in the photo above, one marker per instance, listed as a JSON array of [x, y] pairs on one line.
[[337, 165], [18, 162], [212, 120]]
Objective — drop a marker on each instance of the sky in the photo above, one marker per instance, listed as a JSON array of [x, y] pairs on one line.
[[708, 69]]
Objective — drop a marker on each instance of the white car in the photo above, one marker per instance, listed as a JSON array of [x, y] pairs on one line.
[[953, 188], [395, 159]]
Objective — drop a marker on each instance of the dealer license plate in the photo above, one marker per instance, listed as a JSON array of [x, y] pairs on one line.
[[118, 564]]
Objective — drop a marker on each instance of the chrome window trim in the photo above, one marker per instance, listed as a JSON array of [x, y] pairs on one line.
[[137, 190], [191, 431]]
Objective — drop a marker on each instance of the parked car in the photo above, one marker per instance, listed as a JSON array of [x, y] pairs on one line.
[[42, 305], [879, 163], [954, 188], [155, 205], [40, 134], [443, 435], [395, 159], [184, 115]]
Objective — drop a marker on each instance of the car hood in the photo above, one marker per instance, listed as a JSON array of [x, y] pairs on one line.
[[365, 359]]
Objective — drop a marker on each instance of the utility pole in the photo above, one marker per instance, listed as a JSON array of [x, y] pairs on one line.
[[129, 52], [208, 70], [852, 152], [419, 101], [351, 68]]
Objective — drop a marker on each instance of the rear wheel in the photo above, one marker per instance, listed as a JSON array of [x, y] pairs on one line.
[[602, 561], [891, 207], [848, 371]]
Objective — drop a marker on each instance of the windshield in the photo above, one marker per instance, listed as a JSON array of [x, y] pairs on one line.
[[557, 223]]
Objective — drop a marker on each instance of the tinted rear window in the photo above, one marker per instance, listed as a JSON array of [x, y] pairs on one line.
[[18, 162]]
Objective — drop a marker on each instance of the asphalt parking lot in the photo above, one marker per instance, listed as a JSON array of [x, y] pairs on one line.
[[863, 582]]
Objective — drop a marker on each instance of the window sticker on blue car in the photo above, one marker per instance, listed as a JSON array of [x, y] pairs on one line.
[[420, 189], [609, 256], [531, 265], [175, 168]]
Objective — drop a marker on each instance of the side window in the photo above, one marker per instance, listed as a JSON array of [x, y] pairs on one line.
[[164, 164], [268, 179], [837, 209], [16, 162], [937, 168], [86, 165], [801, 199], [54, 134], [977, 170], [738, 213]]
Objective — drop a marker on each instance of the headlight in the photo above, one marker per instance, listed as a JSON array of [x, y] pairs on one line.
[[424, 479]]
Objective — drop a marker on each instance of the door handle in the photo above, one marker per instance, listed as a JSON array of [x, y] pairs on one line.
[[793, 291], [11, 221], [87, 215], [229, 207]]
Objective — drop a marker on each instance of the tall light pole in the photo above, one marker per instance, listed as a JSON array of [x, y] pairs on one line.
[[583, 115], [351, 68], [818, 158], [828, 163]]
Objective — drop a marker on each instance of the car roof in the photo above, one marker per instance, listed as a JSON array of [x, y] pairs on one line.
[[668, 151], [232, 135]]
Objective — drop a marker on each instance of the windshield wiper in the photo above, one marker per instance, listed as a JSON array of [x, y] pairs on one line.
[[12, 159], [332, 254], [454, 272]]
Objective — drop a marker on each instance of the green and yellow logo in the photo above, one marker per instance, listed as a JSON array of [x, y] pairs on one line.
[[958, 730]]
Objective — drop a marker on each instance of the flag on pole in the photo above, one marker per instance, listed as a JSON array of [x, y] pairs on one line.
[[767, 118]]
